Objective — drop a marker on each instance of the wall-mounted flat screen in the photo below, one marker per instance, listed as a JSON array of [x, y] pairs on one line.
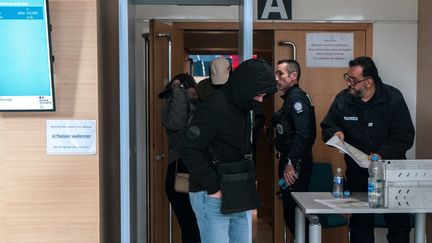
[[26, 76]]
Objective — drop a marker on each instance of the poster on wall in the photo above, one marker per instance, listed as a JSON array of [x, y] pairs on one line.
[[26, 75], [329, 49], [71, 136]]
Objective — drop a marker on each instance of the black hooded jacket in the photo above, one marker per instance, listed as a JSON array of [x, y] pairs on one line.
[[217, 130]]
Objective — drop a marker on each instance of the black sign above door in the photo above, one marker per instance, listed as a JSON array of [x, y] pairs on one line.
[[274, 9]]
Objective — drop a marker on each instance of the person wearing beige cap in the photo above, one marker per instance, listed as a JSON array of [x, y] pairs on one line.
[[220, 69]]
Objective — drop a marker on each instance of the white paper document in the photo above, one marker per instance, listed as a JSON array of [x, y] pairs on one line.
[[342, 203], [358, 156]]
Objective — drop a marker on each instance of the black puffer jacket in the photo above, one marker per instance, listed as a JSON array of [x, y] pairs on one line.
[[220, 124], [175, 116]]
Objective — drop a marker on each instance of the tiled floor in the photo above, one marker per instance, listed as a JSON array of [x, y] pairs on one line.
[[262, 230]]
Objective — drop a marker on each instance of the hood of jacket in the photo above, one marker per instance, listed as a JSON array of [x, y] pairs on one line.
[[251, 78]]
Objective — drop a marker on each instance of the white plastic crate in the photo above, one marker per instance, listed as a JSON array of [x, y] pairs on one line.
[[408, 183]]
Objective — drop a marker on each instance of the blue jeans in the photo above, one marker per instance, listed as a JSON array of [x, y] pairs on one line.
[[216, 227]]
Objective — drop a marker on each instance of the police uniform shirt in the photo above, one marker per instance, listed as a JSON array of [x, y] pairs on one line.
[[295, 125]]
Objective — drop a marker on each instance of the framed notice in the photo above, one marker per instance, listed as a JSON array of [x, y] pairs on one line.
[[71, 136], [329, 49]]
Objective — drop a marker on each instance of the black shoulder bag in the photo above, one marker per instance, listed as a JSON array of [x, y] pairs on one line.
[[237, 181]]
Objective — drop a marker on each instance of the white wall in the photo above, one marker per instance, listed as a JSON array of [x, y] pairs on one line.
[[304, 10], [369, 10], [394, 35], [395, 53]]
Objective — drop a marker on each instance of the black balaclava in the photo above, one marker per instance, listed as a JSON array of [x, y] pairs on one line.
[[251, 78]]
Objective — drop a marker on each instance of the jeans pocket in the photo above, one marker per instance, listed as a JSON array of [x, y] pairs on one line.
[[213, 201]]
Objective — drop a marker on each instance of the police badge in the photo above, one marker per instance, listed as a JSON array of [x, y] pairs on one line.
[[279, 129]]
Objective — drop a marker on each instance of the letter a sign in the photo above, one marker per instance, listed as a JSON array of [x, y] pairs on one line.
[[274, 9]]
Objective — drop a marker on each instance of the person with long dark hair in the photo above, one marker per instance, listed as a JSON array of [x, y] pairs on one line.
[[181, 101]]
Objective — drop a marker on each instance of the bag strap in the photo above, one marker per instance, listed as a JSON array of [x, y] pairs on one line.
[[176, 166], [249, 123]]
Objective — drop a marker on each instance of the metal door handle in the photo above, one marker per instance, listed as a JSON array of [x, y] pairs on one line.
[[292, 44], [160, 157], [168, 37]]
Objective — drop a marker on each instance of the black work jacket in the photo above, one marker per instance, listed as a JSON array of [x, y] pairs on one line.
[[295, 126], [382, 125]]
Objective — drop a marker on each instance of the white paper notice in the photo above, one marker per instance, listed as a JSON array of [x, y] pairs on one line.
[[358, 156], [71, 136], [339, 203], [329, 49]]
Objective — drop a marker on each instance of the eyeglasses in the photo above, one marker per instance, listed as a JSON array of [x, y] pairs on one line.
[[353, 80]]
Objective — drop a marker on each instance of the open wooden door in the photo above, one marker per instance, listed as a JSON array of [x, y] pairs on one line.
[[159, 76], [166, 60], [160, 35], [322, 84]]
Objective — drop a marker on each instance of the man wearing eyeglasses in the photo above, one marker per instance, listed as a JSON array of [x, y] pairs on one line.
[[295, 134], [373, 117]]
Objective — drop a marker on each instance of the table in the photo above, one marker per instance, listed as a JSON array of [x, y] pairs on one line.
[[309, 208]]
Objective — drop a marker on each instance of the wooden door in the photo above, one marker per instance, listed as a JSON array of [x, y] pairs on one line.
[[322, 84], [158, 73], [166, 60]]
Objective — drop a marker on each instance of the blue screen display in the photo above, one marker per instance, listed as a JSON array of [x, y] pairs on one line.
[[25, 59]]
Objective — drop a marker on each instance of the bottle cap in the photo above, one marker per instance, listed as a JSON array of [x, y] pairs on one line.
[[338, 169], [374, 158]]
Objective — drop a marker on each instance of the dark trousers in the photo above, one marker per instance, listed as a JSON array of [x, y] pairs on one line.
[[289, 205], [181, 206], [362, 228], [362, 225]]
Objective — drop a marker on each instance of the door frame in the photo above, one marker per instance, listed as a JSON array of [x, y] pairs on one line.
[[178, 57]]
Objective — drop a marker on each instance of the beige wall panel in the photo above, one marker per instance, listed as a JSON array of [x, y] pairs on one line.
[[54, 198]]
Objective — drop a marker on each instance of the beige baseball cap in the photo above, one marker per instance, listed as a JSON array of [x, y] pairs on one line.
[[219, 70]]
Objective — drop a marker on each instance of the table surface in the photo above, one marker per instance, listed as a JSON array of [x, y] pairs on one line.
[[306, 202]]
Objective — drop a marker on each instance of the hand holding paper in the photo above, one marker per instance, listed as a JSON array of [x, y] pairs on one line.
[[358, 156]]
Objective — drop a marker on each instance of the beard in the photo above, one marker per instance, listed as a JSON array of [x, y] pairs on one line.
[[356, 93]]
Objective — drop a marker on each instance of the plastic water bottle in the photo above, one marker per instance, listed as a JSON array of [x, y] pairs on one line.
[[338, 181], [375, 183]]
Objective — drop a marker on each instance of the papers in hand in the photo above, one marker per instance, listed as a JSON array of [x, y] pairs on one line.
[[358, 156]]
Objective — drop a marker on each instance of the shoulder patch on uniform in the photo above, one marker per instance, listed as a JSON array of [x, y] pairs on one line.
[[298, 107]]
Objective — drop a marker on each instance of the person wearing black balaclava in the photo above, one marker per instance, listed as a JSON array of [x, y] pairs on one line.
[[214, 144]]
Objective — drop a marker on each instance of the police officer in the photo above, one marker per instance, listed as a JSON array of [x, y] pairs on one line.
[[373, 117], [295, 134]]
